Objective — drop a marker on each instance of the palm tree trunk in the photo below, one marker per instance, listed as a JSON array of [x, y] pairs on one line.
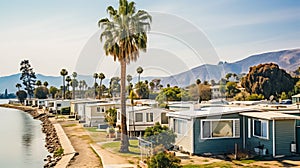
[[64, 92], [124, 136], [100, 89], [73, 89], [95, 88]]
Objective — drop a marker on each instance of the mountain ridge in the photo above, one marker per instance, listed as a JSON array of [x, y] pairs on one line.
[[286, 59]]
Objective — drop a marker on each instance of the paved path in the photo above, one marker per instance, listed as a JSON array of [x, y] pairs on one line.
[[111, 160], [69, 151]]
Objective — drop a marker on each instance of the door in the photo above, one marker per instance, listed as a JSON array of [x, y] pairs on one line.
[[298, 139]]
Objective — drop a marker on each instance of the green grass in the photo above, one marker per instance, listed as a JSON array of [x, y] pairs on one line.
[[212, 165], [115, 146], [91, 129], [247, 161], [70, 125]]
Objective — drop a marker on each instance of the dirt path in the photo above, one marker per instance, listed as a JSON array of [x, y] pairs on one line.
[[80, 141]]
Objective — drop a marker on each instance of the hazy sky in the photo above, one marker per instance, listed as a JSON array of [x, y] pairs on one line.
[[60, 34]]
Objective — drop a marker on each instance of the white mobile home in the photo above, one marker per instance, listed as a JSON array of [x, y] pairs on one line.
[[141, 117], [95, 114]]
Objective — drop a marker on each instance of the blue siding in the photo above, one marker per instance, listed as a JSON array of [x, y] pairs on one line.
[[216, 146], [284, 136], [254, 142]]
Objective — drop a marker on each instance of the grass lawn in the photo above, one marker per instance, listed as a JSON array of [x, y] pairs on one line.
[[212, 165], [115, 146]]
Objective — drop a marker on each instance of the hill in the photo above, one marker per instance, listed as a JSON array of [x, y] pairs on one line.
[[286, 59]]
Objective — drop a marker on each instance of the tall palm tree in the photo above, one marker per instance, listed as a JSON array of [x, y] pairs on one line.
[[74, 75], [101, 76], [64, 73], [46, 84], [18, 85], [139, 70], [129, 79], [125, 35], [68, 80], [95, 76], [38, 83]]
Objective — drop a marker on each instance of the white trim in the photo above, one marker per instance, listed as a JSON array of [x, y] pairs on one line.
[[211, 120], [261, 137], [273, 126], [192, 139], [244, 133]]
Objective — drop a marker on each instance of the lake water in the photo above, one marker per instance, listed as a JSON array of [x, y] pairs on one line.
[[22, 141]]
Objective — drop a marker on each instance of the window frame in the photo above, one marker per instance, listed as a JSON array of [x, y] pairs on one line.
[[234, 128], [184, 126], [148, 116], [261, 125], [136, 117]]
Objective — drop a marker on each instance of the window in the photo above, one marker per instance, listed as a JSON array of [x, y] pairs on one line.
[[139, 117], [149, 117], [180, 126], [98, 109], [223, 128], [260, 128], [164, 118]]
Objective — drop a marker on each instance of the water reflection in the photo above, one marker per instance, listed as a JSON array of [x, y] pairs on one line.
[[23, 142]]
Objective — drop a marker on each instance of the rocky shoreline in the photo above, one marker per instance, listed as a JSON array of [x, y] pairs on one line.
[[52, 141]]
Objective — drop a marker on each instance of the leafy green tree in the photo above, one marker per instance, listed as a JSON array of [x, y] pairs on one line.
[[28, 77], [142, 90], [164, 160], [41, 92], [267, 79], [101, 76], [64, 73], [53, 90], [297, 87], [284, 96], [231, 89], [172, 94], [255, 97], [21, 95], [242, 96], [125, 35], [111, 117], [160, 135]]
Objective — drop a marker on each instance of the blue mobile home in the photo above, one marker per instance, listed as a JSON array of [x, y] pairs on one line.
[[218, 130]]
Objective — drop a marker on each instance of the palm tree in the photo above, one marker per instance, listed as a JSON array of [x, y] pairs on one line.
[[129, 79], [68, 80], [38, 83], [95, 76], [74, 75], [101, 76], [64, 73], [125, 35], [18, 85], [46, 84], [139, 70], [80, 87]]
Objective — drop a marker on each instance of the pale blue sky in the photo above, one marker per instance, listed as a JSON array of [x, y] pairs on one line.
[[52, 34]]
